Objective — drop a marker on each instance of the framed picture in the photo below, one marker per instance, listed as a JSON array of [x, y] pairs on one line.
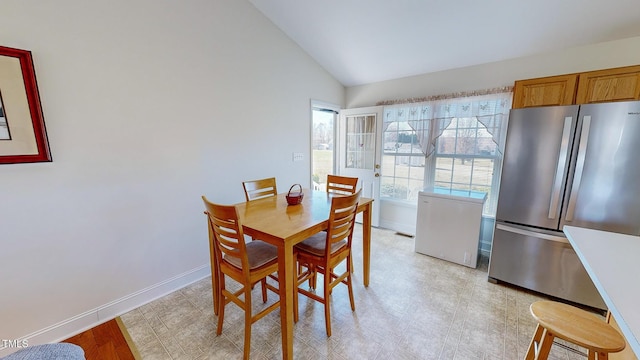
[[23, 137]]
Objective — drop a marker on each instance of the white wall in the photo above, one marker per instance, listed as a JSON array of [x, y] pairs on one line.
[[148, 104], [578, 59], [402, 217]]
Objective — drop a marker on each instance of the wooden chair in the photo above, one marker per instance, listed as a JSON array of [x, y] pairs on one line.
[[324, 251], [246, 263], [341, 184], [258, 189], [577, 326]]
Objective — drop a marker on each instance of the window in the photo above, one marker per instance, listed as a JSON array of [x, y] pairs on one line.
[[323, 120], [454, 144], [402, 173], [466, 159], [360, 142]]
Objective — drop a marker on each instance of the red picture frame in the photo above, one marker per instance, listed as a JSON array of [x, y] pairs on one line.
[[21, 109]]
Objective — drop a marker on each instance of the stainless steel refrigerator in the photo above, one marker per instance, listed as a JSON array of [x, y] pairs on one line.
[[564, 165]]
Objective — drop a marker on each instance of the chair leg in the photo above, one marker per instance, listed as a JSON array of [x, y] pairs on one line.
[[297, 268], [313, 281], [263, 284], [215, 284], [221, 305], [545, 345], [350, 288], [327, 302], [247, 321], [535, 341], [216, 300]]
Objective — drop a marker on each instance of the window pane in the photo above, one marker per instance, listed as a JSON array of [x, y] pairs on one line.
[[447, 141], [416, 171], [462, 174], [482, 173], [360, 151], [386, 186], [415, 186], [402, 163], [444, 170], [486, 145]]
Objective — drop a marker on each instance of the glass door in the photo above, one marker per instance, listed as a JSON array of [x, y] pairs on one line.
[[359, 151]]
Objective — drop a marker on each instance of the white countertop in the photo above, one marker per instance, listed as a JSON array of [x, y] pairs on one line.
[[613, 263]]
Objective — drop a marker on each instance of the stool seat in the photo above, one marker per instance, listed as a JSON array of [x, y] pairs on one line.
[[574, 325]]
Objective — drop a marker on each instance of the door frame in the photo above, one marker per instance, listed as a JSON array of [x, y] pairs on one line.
[[316, 104]]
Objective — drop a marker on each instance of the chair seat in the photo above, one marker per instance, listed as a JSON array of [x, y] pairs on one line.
[[59, 351], [577, 326], [316, 244], [259, 253]]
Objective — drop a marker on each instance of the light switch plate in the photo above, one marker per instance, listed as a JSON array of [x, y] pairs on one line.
[[298, 156]]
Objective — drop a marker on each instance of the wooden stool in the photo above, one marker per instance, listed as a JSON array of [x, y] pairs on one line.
[[573, 325]]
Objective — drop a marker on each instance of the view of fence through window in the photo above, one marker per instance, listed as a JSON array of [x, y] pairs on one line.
[[465, 159], [322, 158]]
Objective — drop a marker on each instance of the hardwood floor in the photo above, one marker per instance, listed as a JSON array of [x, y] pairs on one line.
[[103, 342]]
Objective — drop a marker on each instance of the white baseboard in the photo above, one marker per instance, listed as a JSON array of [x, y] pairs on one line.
[[81, 322]]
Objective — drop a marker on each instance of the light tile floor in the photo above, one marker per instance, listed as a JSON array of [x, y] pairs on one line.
[[416, 307]]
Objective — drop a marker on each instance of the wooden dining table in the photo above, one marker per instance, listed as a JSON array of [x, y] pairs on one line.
[[272, 220]]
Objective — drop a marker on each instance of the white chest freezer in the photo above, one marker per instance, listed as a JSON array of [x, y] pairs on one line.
[[448, 225]]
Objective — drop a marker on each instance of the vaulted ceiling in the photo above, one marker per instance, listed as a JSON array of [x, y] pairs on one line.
[[366, 41]]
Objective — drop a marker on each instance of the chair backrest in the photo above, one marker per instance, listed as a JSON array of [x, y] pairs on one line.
[[228, 237], [341, 184], [258, 189], [341, 220]]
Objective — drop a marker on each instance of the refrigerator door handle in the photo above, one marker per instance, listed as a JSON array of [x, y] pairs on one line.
[[538, 235], [562, 162], [582, 150]]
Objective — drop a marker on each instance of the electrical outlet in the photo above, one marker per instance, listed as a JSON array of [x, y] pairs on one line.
[[298, 156]]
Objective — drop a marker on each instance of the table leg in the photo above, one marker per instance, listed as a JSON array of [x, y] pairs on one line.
[[286, 279], [366, 242]]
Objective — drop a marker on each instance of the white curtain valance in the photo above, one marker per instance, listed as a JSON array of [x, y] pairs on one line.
[[429, 119]]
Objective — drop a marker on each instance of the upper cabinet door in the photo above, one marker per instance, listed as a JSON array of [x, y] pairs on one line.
[[620, 84], [547, 91]]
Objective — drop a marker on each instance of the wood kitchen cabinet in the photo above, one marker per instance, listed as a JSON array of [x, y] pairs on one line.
[[618, 84], [546, 91]]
